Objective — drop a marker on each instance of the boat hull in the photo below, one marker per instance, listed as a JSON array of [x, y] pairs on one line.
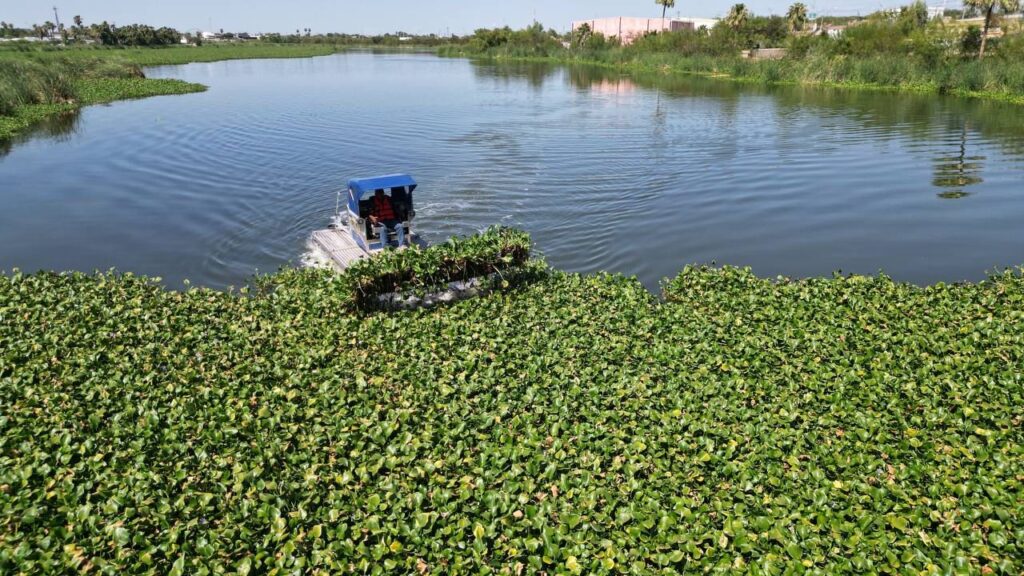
[[339, 249]]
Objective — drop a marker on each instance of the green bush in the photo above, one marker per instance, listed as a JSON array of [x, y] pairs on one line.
[[687, 43], [871, 39], [928, 49], [970, 42], [598, 43], [799, 47], [530, 41], [764, 32], [1009, 48], [913, 17]]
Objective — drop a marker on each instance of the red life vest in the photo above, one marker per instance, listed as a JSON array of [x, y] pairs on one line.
[[383, 209]]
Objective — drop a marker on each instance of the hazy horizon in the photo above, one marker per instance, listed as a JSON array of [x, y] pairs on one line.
[[439, 17]]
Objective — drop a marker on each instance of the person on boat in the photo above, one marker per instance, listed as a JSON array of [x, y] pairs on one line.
[[382, 213]]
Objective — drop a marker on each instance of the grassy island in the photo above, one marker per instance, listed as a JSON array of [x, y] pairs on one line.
[[36, 84], [33, 89], [571, 424]]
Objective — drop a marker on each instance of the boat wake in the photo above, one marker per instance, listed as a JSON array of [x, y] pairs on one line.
[[315, 257]]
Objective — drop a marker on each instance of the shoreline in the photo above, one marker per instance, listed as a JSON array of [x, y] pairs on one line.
[[107, 90], [102, 91], [636, 67], [95, 91]]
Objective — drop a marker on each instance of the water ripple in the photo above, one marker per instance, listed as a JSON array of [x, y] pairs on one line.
[[605, 172]]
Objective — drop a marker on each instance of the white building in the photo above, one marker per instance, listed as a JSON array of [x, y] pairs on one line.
[[699, 23]]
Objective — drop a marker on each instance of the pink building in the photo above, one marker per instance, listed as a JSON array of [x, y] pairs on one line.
[[628, 29]]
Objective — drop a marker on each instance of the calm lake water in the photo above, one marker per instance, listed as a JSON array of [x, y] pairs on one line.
[[640, 176]]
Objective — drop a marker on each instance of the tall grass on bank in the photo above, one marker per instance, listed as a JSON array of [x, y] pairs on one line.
[[33, 88], [171, 55], [38, 82], [968, 77], [29, 81], [1002, 79], [214, 53], [875, 54]]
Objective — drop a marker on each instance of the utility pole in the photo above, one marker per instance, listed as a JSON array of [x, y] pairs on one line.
[[59, 31]]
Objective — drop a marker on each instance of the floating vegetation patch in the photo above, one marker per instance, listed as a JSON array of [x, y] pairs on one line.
[[574, 425]]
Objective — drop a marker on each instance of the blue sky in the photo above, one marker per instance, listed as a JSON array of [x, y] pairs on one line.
[[377, 16]]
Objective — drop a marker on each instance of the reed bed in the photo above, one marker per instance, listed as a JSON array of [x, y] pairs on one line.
[[874, 56], [38, 82], [24, 82]]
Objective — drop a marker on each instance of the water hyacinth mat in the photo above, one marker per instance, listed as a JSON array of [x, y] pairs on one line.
[[573, 424]]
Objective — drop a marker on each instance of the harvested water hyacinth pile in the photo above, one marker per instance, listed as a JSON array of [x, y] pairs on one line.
[[497, 255], [573, 425]]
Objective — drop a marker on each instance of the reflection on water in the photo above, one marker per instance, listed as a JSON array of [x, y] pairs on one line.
[[958, 171], [536, 74], [639, 175], [953, 172], [59, 127]]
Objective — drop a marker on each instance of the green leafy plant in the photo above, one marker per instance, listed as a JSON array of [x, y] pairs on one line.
[[844, 425]]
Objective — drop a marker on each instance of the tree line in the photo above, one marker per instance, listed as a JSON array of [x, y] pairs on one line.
[[739, 29], [103, 33], [907, 31]]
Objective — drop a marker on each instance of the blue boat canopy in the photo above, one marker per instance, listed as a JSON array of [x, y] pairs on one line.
[[362, 188]]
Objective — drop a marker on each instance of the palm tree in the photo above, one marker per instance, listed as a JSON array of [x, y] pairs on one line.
[[989, 8], [737, 17], [50, 27], [797, 16], [665, 5]]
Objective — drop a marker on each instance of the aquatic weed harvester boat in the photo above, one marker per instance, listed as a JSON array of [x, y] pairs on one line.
[[378, 214], [353, 234]]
